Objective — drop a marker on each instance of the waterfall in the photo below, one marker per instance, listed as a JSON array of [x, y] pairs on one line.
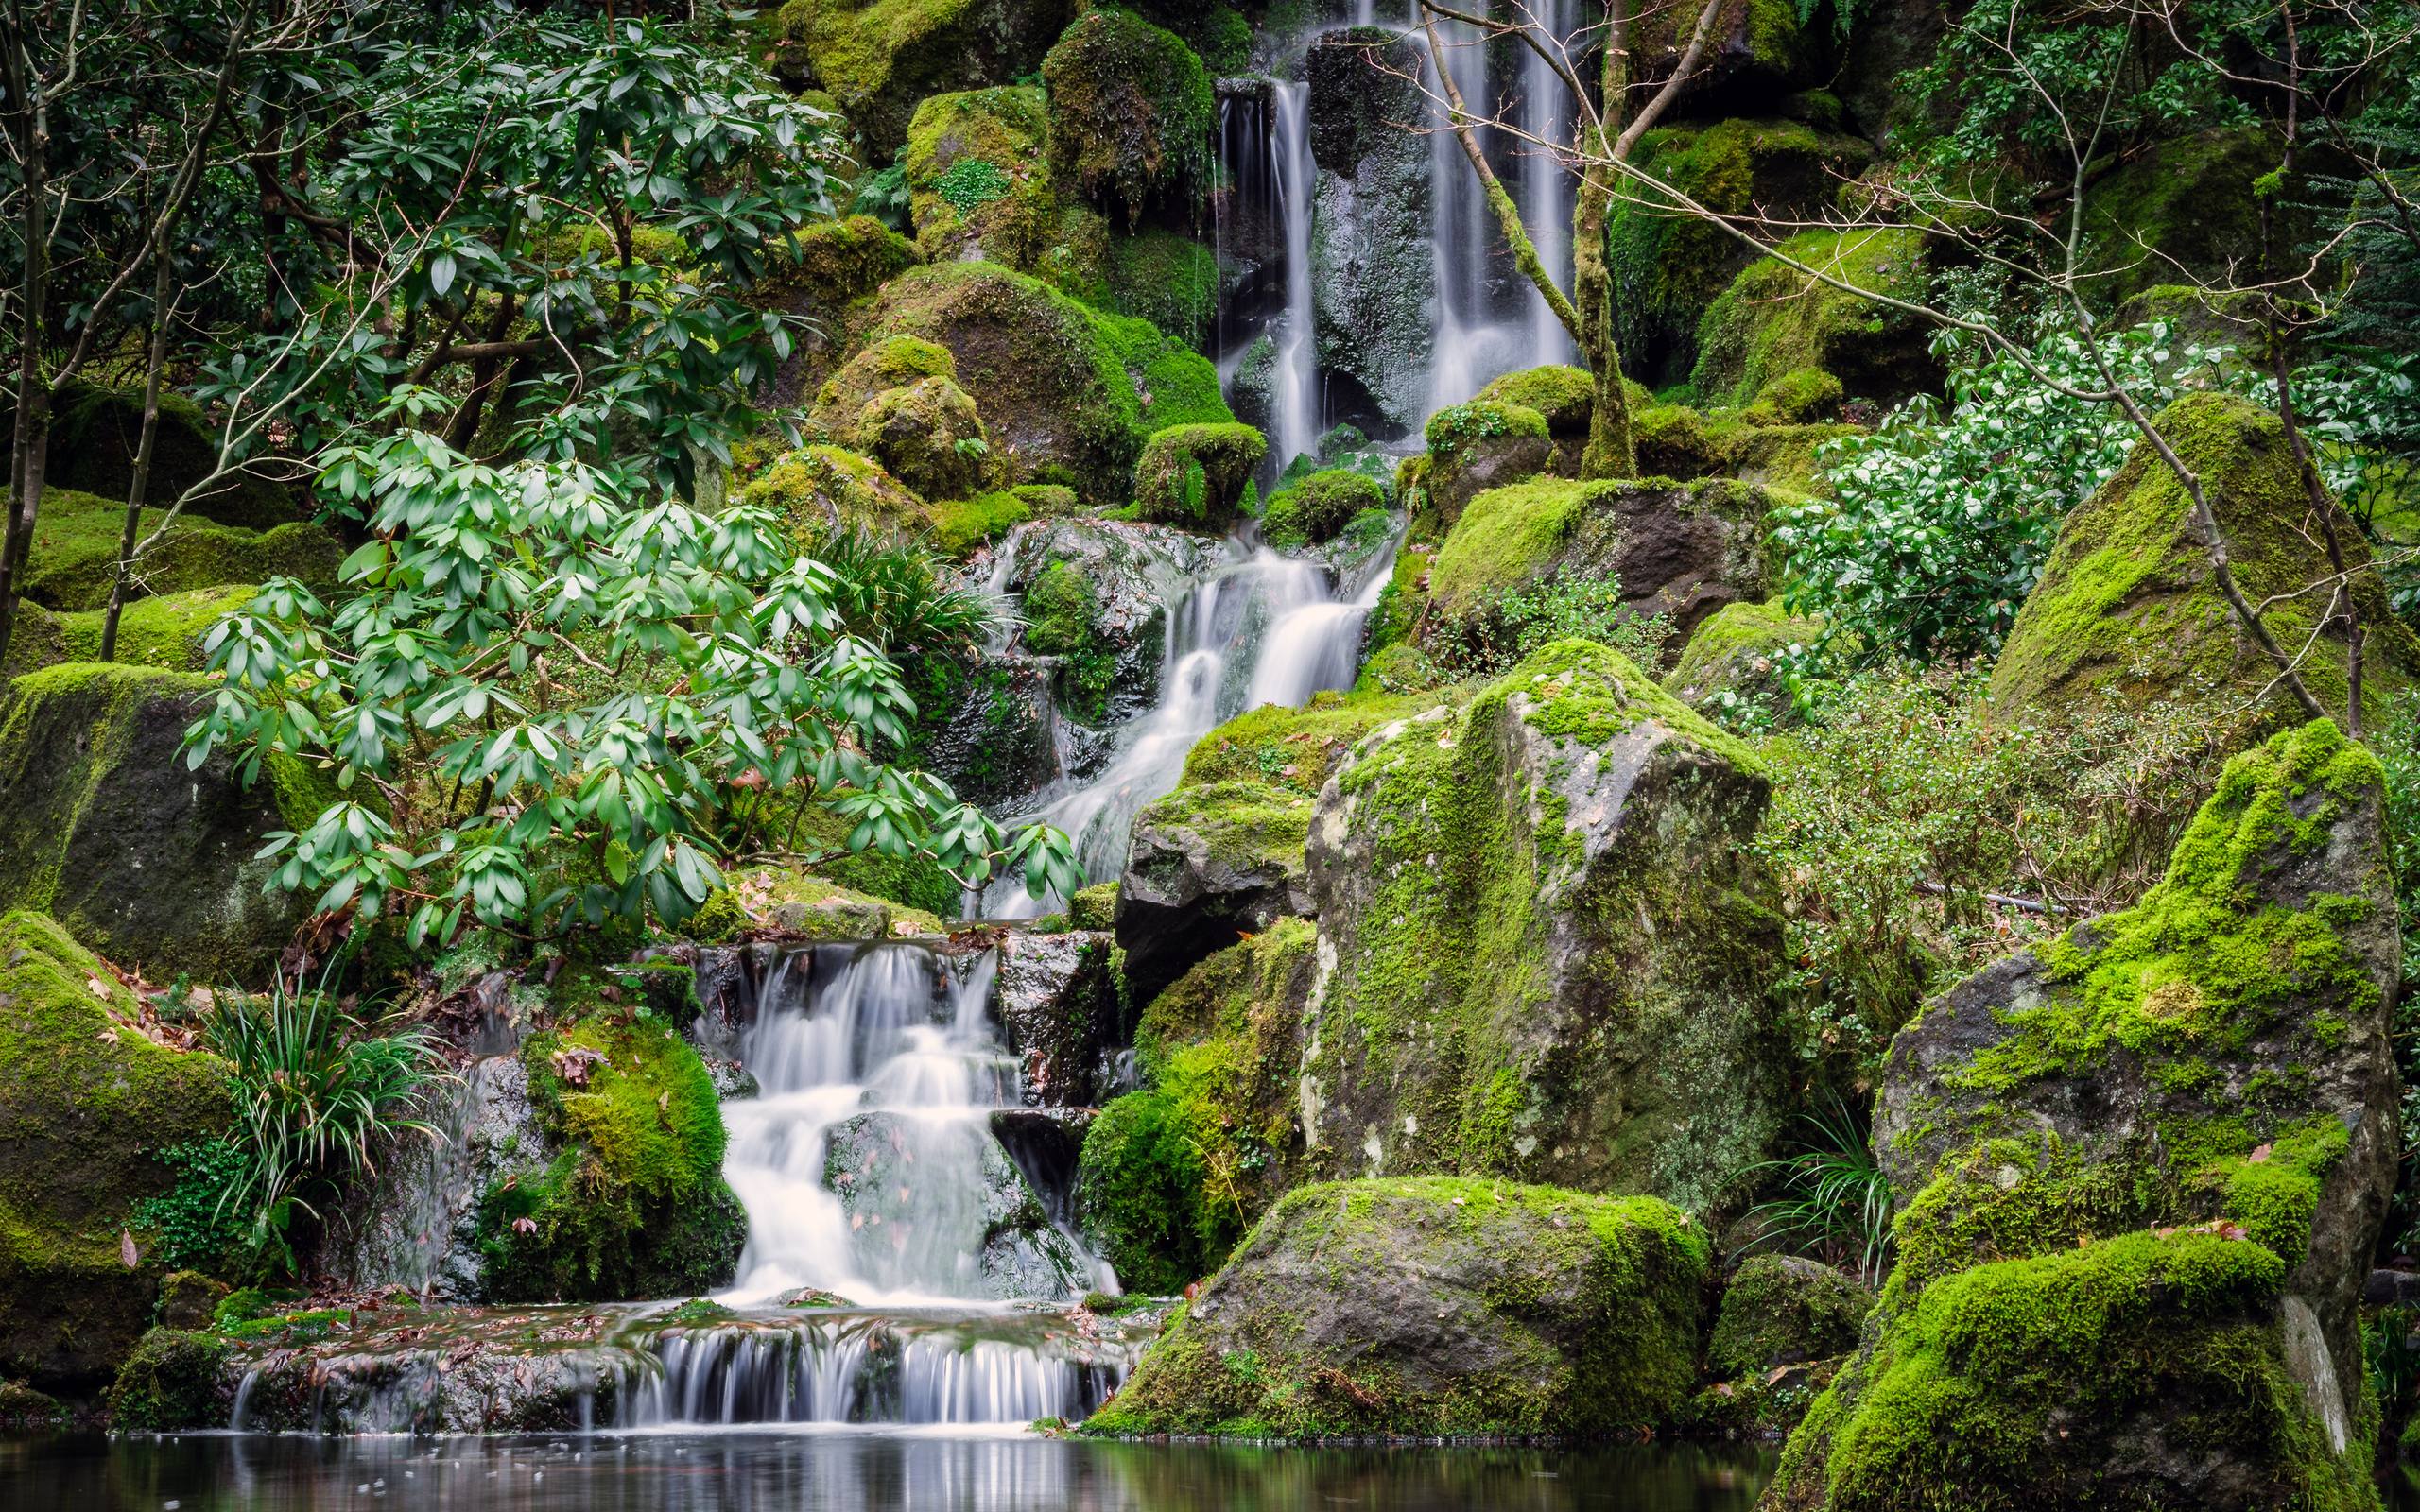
[[1546, 193], [1258, 629], [1294, 394], [867, 1164]]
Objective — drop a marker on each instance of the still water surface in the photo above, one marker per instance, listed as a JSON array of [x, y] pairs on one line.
[[851, 1471]]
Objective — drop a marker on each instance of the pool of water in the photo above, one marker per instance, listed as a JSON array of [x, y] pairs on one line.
[[852, 1470]]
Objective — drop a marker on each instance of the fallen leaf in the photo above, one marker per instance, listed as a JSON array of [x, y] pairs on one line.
[[94, 984], [126, 1250], [2260, 1155]]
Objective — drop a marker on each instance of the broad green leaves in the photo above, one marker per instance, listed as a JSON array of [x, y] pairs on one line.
[[546, 701]]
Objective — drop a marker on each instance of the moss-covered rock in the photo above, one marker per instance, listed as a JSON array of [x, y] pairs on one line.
[[1056, 997], [1296, 749], [632, 1203], [96, 430], [874, 368], [1166, 277], [1668, 267], [1094, 907], [822, 488], [2127, 608], [1603, 1020], [1194, 474], [1732, 663], [173, 1379], [87, 1103], [1094, 595], [1774, 320], [930, 438], [1206, 864], [2142, 1172], [872, 903], [1315, 509], [1130, 114], [1374, 282], [2185, 208], [985, 724], [878, 58], [1757, 48], [1433, 1306], [978, 177], [828, 265], [1799, 397], [103, 825], [1475, 447], [1564, 397], [73, 558], [1681, 550], [1781, 1310], [1068, 393]]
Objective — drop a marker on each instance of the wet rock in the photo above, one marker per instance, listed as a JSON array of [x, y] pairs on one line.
[[2142, 1172], [1056, 1004], [172, 1380], [1048, 1145], [996, 738], [1427, 1306], [189, 1300], [1552, 947], [1480, 446], [1207, 864], [936, 1204], [87, 1103], [147, 861], [449, 1371], [1133, 573], [1373, 281]]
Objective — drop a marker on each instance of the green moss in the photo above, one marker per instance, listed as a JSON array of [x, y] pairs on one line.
[[1731, 662], [1509, 536], [976, 169], [1797, 398], [961, 525], [831, 264], [1131, 113], [173, 1379], [1094, 907], [87, 1103], [96, 430], [1564, 397], [1455, 427], [1166, 278], [1774, 320], [1295, 749], [1583, 1317], [1063, 614], [73, 558], [1249, 826], [634, 1203], [822, 489], [1316, 510], [2125, 608], [2188, 204], [1194, 474]]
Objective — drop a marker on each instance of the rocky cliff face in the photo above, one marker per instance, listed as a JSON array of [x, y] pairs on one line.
[[2141, 1174]]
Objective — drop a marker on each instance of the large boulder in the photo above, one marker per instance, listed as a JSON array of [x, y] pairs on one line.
[[995, 1237], [1095, 594], [878, 58], [73, 557], [1067, 393], [1472, 448], [2141, 1173], [2186, 209], [1372, 282], [1205, 864], [2127, 607], [1667, 267], [1784, 1310], [151, 862], [95, 432], [1681, 550], [88, 1104], [1735, 668], [1433, 1305], [985, 725], [978, 177], [1553, 948], [1131, 116]]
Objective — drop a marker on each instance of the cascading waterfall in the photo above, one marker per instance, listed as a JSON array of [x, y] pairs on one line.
[[1295, 394], [1258, 629], [1545, 191]]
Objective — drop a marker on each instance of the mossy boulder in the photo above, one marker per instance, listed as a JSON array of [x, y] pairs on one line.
[[175, 1377], [1477, 446], [1755, 48], [985, 725], [1172, 1176], [1374, 282], [928, 436], [1775, 319], [1429, 1306], [1068, 393], [1296, 749], [830, 264], [1783, 1310], [819, 489], [878, 58], [1732, 664], [1667, 267], [153, 862], [874, 368], [1564, 397], [2127, 608], [1094, 595], [2142, 1172], [1194, 474], [96, 430], [1603, 1020], [1315, 509], [1130, 114], [860, 896], [73, 558], [978, 177], [1681, 550], [632, 1202], [87, 1103], [2185, 208], [1207, 864]]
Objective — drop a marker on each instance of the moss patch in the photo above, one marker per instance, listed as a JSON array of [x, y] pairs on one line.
[[1774, 320], [73, 558]]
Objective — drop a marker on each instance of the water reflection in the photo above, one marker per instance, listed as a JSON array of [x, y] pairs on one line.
[[793, 1471]]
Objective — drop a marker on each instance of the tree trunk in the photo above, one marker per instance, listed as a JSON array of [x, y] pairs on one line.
[[29, 447], [140, 487], [1611, 452]]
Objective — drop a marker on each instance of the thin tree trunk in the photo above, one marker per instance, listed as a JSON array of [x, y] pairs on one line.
[[153, 372], [29, 447]]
